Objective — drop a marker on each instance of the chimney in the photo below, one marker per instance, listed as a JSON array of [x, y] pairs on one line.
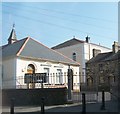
[[87, 39], [115, 47], [96, 52]]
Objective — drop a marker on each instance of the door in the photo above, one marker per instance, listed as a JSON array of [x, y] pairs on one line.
[[31, 70]]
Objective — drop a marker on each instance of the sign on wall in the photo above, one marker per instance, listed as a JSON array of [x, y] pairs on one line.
[[35, 78]]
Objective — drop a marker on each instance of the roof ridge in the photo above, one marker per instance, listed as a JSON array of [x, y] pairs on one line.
[[105, 52], [20, 50], [79, 40], [62, 45], [100, 57]]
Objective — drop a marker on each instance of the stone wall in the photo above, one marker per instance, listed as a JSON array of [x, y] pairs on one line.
[[30, 97]]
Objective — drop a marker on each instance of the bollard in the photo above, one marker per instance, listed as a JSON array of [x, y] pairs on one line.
[[103, 100], [42, 106], [83, 104], [12, 106]]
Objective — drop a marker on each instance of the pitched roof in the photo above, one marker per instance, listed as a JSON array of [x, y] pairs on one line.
[[73, 41], [109, 56], [30, 48], [100, 57], [70, 42], [115, 56], [12, 49]]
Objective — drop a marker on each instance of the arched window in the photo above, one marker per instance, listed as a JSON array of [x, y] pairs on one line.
[[74, 56], [30, 68], [89, 81]]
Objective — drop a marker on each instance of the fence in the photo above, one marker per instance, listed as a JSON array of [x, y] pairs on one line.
[[51, 80], [90, 97], [93, 88]]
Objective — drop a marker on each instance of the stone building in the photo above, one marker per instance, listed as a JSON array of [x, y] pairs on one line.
[[102, 70]]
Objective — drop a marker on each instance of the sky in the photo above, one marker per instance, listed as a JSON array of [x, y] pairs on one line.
[[52, 23]]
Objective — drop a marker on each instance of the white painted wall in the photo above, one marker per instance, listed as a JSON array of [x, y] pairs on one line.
[[84, 52], [9, 72], [88, 50], [40, 66]]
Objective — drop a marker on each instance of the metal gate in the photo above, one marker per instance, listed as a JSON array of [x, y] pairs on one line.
[[90, 97]]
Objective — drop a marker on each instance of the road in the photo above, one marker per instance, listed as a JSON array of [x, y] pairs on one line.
[[110, 106]]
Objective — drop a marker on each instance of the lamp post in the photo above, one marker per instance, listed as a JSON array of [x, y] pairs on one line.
[[69, 84]]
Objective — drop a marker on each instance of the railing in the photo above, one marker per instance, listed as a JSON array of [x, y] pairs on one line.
[[53, 80], [93, 88]]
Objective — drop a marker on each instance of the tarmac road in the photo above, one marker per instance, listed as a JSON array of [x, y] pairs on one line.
[[71, 108]]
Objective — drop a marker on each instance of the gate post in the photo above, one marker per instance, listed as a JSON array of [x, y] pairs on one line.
[[103, 100], [70, 74], [42, 105], [12, 106], [83, 104]]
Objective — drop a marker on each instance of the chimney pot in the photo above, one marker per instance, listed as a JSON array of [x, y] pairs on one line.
[[115, 47], [87, 39]]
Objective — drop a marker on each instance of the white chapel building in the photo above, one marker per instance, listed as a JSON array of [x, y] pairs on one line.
[[27, 55], [80, 51]]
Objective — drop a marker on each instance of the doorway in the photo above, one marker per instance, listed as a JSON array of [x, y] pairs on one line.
[[31, 70]]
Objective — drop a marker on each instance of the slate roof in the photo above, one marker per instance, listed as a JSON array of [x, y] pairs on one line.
[[109, 56], [30, 48], [12, 49], [100, 57], [115, 56], [70, 42]]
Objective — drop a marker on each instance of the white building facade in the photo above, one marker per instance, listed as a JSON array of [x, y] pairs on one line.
[[20, 57], [81, 52], [14, 76]]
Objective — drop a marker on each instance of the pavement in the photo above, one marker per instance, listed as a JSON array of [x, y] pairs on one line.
[[110, 106]]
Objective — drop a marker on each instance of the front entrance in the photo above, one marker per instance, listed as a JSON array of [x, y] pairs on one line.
[[31, 70]]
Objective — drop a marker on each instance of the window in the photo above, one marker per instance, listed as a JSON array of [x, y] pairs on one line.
[[96, 52], [89, 81], [100, 67], [59, 76], [30, 68], [101, 79], [74, 56], [46, 70]]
